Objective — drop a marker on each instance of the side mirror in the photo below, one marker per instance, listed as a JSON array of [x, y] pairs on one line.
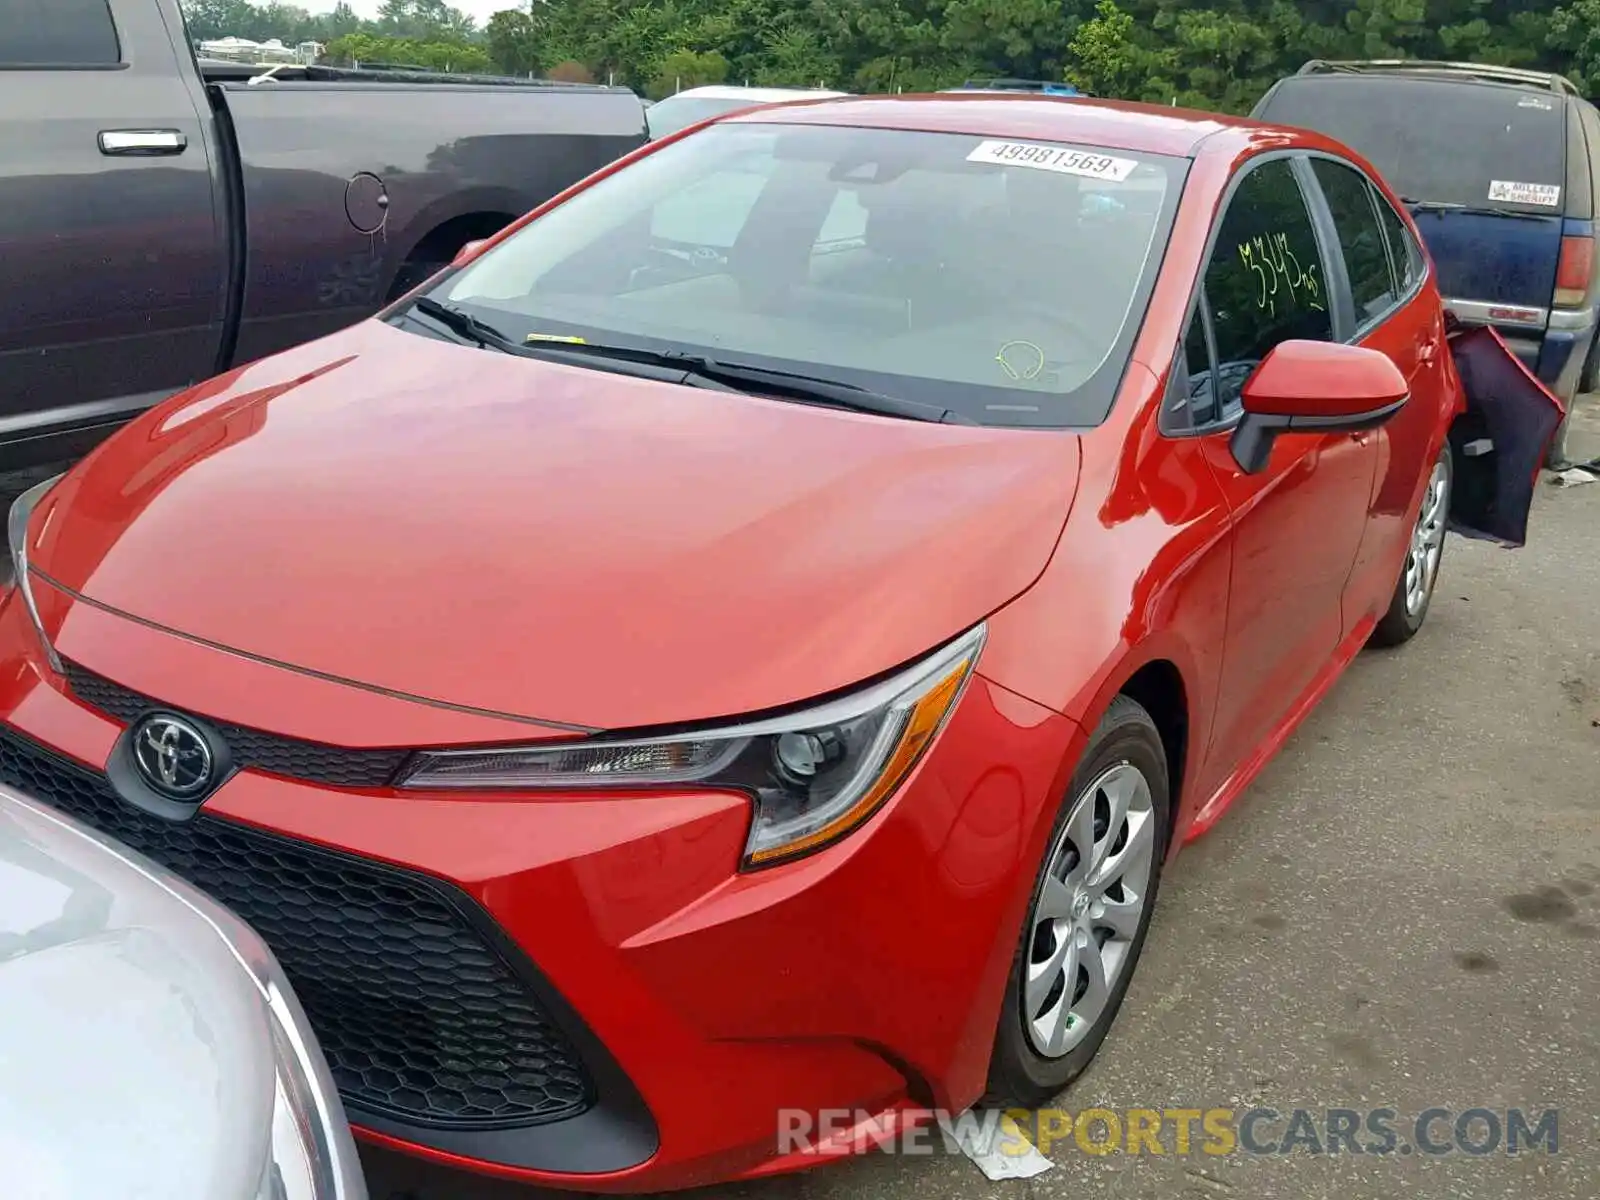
[[1314, 387], [467, 253]]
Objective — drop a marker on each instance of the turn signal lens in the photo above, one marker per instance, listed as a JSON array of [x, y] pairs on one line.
[[812, 776], [1574, 272]]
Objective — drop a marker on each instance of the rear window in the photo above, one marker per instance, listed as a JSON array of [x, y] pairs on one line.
[[1439, 141], [1005, 280], [57, 33]]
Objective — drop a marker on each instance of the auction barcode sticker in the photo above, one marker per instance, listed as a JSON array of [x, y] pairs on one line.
[[1054, 158], [1547, 195]]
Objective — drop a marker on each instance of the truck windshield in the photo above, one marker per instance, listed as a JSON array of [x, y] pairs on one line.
[[1003, 281], [1457, 141]]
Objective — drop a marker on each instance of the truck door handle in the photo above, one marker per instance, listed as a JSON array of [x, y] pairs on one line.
[[142, 141]]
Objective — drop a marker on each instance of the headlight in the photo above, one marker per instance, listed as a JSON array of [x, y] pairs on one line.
[[17, 535], [813, 775], [311, 1155]]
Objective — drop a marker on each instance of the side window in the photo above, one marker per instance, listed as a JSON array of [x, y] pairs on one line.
[[1403, 249], [1366, 257], [57, 33], [1264, 279]]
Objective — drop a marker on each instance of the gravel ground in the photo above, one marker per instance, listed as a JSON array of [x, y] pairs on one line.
[[1403, 912]]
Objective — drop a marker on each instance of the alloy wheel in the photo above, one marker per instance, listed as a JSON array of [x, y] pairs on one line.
[[1087, 914], [1427, 540]]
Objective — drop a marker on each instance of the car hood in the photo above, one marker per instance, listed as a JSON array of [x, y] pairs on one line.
[[550, 542], [137, 1054]]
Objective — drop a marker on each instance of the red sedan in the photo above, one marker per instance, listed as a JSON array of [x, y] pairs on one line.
[[750, 637]]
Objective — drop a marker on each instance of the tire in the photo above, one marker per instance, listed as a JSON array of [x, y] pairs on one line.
[[1408, 607], [1026, 1070], [1589, 380], [1555, 458]]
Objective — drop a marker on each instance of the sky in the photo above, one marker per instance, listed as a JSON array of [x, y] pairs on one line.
[[481, 9]]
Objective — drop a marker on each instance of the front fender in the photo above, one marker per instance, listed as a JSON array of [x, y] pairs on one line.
[[1139, 577]]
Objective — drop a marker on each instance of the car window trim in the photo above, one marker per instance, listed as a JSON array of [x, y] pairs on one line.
[[1342, 306], [1376, 197], [1226, 424], [1178, 371]]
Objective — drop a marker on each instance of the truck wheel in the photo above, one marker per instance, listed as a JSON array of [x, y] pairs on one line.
[[1556, 457], [1589, 380]]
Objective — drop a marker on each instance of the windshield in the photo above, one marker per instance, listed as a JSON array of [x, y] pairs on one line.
[[679, 112], [1002, 281], [1480, 145]]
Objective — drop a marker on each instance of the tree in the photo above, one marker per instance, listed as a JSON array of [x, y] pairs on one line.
[[1110, 59], [424, 20], [211, 19], [571, 72], [796, 57], [341, 21], [514, 42], [360, 48], [1574, 29], [1216, 54], [688, 68]]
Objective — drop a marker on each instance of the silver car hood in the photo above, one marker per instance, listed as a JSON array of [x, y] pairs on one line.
[[135, 1052]]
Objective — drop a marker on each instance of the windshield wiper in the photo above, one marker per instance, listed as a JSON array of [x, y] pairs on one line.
[[463, 323], [694, 368], [1469, 209], [811, 389]]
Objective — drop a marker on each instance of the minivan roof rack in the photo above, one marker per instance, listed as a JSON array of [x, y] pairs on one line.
[[1422, 66]]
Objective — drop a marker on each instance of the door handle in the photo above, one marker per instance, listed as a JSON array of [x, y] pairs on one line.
[[1427, 350], [142, 142]]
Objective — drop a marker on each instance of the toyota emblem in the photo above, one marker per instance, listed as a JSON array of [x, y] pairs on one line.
[[173, 757]]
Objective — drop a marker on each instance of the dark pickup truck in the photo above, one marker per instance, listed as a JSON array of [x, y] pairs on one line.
[[162, 219]]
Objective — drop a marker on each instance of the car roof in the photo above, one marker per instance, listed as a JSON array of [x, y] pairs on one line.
[[1459, 72], [754, 94], [1119, 125]]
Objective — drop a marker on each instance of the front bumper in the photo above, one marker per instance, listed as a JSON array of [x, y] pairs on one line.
[[667, 1007]]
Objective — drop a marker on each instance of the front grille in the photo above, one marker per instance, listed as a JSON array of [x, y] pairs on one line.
[[252, 748], [421, 1019]]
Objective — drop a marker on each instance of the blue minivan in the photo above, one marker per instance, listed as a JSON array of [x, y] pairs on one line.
[[1501, 169]]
